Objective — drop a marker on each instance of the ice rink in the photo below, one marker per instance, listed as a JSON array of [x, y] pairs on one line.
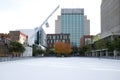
[[69, 68]]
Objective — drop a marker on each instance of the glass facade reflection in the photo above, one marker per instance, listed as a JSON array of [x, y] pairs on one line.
[[72, 22]]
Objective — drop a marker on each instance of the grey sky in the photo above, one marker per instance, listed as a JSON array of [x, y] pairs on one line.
[[24, 14]]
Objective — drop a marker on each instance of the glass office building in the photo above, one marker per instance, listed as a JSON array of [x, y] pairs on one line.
[[72, 22], [40, 37]]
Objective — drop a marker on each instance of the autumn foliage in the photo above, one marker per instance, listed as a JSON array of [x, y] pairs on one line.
[[62, 48]]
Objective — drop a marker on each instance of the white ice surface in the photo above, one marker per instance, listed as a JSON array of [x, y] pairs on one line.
[[61, 69]]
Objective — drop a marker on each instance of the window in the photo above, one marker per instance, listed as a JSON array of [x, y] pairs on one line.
[[56, 40], [87, 40], [60, 36], [51, 41], [53, 37], [49, 37], [48, 41], [57, 36], [63, 41]]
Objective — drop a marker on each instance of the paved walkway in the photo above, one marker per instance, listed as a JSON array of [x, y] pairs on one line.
[[69, 68]]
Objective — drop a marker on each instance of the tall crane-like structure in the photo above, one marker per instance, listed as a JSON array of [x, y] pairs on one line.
[[45, 22]]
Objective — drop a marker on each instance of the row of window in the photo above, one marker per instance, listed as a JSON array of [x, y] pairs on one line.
[[58, 37], [72, 18], [74, 42], [73, 30], [54, 41]]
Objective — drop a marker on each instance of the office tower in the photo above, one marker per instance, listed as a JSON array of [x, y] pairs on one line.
[[72, 22], [86, 26], [110, 17], [58, 25]]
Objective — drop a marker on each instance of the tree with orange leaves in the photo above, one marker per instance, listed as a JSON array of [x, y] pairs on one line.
[[62, 48], [67, 48]]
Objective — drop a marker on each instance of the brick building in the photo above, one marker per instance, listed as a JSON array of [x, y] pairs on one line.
[[2, 35], [53, 38], [86, 39], [12, 36], [4, 41], [18, 36]]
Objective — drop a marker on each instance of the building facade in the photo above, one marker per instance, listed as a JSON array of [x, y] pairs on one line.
[[40, 37], [30, 33], [86, 26], [4, 42], [72, 22], [86, 39], [110, 17], [18, 36], [58, 25], [53, 38]]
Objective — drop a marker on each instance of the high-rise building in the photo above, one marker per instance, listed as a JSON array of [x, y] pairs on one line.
[[86, 26], [58, 25], [110, 17], [72, 22]]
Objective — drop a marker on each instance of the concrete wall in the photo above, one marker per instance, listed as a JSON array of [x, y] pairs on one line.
[[58, 25], [86, 26], [110, 17]]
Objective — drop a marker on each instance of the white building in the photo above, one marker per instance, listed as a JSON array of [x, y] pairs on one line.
[[35, 36], [86, 26], [31, 35], [58, 25]]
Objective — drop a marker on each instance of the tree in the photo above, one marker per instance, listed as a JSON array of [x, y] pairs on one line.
[[67, 48], [49, 52], [62, 48], [113, 45], [100, 44], [75, 50], [59, 47], [109, 45], [116, 44], [37, 51], [83, 50], [86, 48], [16, 47]]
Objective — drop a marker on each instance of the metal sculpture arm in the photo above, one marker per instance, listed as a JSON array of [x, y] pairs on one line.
[[45, 22]]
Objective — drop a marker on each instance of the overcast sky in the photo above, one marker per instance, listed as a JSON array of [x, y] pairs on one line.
[[27, 14]]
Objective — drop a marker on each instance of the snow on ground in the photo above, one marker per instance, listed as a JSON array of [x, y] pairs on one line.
[[61, 69]]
